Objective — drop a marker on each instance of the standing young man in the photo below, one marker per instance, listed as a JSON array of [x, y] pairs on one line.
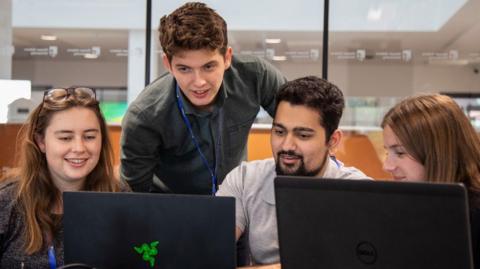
[[189, 128]]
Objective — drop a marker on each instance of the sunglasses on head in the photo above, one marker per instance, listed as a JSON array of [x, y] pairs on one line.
[[60, 94]]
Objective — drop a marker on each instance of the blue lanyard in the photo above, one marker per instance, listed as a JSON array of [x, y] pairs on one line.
[[52, 261], [339, 165], [211, 170]]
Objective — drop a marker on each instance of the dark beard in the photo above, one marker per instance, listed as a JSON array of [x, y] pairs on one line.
[[301, 170]]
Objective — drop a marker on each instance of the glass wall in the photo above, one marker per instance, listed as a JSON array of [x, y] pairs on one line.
[[383, 50], [267, 29], [379, 51], [97, 44]]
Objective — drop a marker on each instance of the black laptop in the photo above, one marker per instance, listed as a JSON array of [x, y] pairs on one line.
[[333, 223], [145, 230]]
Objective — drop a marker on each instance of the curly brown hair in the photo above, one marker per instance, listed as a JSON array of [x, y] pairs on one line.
[[193, 26]]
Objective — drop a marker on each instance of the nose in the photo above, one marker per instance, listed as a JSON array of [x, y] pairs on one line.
[[199, 80], [289, 143], [388, 164], [78, 145]]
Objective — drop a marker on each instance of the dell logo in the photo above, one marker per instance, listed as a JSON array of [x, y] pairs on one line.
[[366, 252]]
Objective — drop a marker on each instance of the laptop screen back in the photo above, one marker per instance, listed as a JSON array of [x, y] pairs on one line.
[[140, 230], [333, 223]]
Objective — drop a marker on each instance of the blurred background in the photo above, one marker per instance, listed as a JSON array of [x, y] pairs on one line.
[[379, 51]]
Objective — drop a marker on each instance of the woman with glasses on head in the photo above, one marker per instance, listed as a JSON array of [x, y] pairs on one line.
[[64, 147], [429, 138]]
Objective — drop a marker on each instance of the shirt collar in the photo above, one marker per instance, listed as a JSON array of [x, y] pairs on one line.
[[332, 168]]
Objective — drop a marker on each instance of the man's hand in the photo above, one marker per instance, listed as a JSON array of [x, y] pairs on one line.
[[238, 233]]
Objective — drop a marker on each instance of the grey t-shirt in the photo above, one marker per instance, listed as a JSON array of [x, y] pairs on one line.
[[251, 184]]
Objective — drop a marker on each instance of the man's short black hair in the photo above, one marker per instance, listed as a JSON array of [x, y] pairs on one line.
[[318, 94]]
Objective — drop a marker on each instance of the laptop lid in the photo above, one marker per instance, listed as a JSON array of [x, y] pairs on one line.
[[145, 230], [333, 223]]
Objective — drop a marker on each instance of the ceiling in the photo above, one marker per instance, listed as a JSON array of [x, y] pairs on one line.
[[460, 33]]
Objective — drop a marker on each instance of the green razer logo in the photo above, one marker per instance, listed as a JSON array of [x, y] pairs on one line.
[[148, 252]]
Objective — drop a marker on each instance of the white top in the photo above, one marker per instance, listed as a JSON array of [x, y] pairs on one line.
[[251, 183]]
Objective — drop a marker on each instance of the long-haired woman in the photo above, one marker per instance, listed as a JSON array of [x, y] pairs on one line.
[[64, 147], [429, 138]]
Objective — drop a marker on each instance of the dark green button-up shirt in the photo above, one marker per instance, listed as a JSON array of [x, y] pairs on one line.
[[158, 153]]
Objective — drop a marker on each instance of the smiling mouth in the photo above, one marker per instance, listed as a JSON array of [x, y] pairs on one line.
[[200, 93], [289, 159], [77, 162]]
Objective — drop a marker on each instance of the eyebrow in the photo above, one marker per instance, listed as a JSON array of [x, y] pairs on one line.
[[71, 132], [92, 130], [182, 65], [211, 62], [394, 146], [295, 129], [208, 63], [303, 129]]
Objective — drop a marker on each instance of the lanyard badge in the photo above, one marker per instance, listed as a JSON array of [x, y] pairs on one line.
[[52, 261]]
